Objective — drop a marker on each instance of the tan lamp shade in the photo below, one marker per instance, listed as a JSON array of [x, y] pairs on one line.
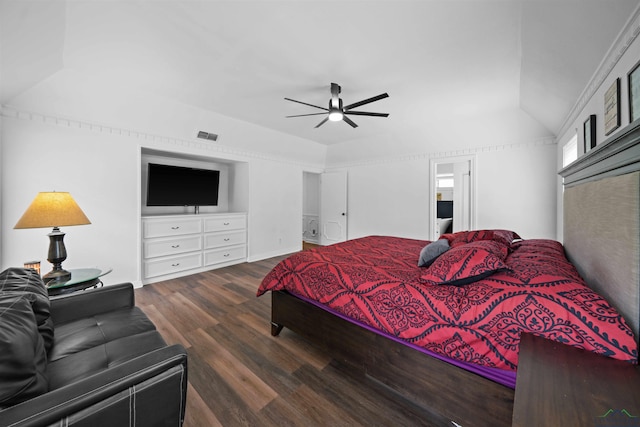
[[52, 209]]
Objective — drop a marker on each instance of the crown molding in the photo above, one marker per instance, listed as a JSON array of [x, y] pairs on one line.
[[146, 140], [442, 154], [625, 38]]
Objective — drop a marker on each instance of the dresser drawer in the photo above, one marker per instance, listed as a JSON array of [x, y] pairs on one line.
[[170, 227], [216, 240], [171, 265], [172, 246], [217, 256], [225, 223]]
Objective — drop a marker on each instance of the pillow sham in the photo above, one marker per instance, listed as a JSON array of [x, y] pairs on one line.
[[433, 250], [468, 263], [463, 237]]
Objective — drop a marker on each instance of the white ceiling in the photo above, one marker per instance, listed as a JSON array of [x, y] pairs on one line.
[[441, 62]]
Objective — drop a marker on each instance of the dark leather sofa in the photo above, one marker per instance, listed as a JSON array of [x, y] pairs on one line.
[[90, 358]]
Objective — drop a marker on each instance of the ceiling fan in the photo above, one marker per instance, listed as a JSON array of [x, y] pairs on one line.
[[337, 112]]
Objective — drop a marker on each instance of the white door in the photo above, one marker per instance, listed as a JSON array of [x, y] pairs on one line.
[[333, 207], [462, 196]]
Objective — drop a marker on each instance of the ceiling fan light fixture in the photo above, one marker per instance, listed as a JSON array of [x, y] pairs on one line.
[[335, 115], [336, 112]]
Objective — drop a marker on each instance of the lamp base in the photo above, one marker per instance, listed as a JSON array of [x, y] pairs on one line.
[[57, 254]]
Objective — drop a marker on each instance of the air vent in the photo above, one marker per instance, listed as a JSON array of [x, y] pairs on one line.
[[206, 135]]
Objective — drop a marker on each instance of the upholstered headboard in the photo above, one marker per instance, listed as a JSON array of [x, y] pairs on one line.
[[602, 220]]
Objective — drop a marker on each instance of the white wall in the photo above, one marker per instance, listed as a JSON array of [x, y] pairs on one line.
[[101, 172], [275, 211], [515, 187], [99, 163], [388, 198], [311, 195]]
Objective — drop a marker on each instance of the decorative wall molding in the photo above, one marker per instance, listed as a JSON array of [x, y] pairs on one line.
[[625, 38], [144, 137], [218, 149], [428, 156]]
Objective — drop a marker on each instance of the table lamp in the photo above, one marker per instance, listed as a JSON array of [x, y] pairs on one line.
[[54, 209]]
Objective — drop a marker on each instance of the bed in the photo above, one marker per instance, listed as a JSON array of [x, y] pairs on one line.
[[441, 368]]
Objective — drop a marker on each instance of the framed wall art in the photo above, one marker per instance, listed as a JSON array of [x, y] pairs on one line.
[[589, 130], [612, 107], [633, 80]]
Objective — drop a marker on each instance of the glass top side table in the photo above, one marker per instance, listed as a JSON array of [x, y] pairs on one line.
[[81, 278]]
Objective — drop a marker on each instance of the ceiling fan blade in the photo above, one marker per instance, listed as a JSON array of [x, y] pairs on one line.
[[366, 101], [303, 115], [351, 122], [322, 122], [365, 113], [304, 103]]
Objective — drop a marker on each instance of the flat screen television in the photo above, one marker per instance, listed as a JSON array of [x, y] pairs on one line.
[[181, 186], [445, 209]]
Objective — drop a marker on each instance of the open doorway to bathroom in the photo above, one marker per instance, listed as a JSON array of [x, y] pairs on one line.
[[452, 195]]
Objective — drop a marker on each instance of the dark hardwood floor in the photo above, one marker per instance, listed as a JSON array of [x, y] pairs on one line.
[[239, 375]]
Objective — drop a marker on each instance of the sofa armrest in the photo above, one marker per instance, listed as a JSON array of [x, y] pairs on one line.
[[65, 308], [149, 390]]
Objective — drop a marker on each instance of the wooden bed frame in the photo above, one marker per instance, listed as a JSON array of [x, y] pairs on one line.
[[449, 392], [593, 231]]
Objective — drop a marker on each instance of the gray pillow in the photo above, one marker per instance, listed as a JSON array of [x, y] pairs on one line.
[[433, 250]]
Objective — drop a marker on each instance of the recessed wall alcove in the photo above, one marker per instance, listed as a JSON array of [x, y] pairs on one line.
[[180, 240], [233, 193]]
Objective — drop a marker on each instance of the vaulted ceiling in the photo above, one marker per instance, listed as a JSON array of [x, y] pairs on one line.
[[442, 62]]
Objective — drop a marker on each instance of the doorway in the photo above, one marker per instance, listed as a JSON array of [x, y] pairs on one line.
[[324, 211], [333, 208], [310, 208], [452, 195]]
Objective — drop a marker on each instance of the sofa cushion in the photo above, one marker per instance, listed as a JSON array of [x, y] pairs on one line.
[[27, 281], [23, 359], [90, 361], [89, 345], [86, 333]]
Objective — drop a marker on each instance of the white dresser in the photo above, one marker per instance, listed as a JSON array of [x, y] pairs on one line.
[[178, 245]]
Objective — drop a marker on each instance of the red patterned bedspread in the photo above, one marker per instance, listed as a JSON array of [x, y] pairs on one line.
[[376, 281]]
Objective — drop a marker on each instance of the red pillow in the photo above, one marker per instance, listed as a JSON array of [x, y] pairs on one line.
[[463, 237], [467, 263]]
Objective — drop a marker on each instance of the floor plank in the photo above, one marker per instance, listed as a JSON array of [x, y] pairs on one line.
[[239, 375]]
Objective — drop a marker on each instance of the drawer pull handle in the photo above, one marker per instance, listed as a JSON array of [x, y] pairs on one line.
[[175, 228], [226, 255], [175, 265], [227, 239], [175, 246], [227, 223]]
